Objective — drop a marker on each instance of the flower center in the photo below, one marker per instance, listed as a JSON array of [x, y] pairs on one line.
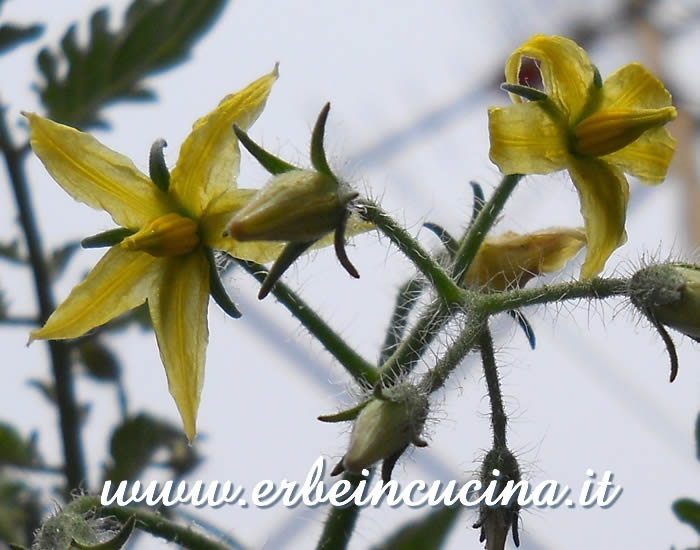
[[168, 235], [612, 129]]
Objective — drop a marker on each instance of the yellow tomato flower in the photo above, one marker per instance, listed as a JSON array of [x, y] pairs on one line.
[[596, 130], [509, 261], [164, 261]]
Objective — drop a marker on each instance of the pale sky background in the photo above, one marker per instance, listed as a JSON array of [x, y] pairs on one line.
[[408, 123]]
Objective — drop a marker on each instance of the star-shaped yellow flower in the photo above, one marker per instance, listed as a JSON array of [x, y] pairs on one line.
[[164, 261], [597, 130]]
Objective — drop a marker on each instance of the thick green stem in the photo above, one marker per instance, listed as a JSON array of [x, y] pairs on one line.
[[60, 360], [341, 521], [487, 216], [155, 524], [402, 361], [597, 289], [434, 379], [423, 260], [360, 369], [493, 383]]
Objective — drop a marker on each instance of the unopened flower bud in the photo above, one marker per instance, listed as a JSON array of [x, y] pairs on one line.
[[295, 206], [671, 294], [386, 426], [497, 521], [610, 130]]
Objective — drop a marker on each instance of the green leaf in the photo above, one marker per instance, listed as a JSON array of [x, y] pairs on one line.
[[136, 441], [14, 449], [10, 252], [20, 512], [60, 257], [688, 511], [99, 361], [429, 531], [12, 36], [155, 36]]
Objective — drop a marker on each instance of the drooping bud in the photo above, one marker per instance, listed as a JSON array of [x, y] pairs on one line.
[[296, 206], [671, 292], [669, 295], [167, 235], [496, 522], [385, 427], [610, 130]]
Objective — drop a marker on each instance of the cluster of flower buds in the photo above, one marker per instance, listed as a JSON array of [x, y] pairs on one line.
[[296, 206], [496, 521]]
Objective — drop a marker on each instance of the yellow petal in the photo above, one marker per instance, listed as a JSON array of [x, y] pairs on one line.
[[120, 281], [94, 174], [603, 192], [178, 308], [511, 260], [525, 140], [648, 157], [567, 73], [209, 157], [633, 87]]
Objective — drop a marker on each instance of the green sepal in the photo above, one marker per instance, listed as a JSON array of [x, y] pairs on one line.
[[217, 290], [286, 258], [107, 238], [268, 161], [597, 79], [524, 91], [115, 543], [519, 316], [160, 175], [318, 153], [479, 200], [339, 244], [346, 415], [451, 244]]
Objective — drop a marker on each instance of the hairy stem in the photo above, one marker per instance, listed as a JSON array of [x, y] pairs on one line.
[[423, 260], [493, 383], [409, 292], [360, 369], [340, 522], [498, 302], [60, 360], [155, 524], [484, 221], [402, 361], [434, 379]]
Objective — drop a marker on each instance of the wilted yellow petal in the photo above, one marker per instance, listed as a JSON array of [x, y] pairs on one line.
[[603, 192], [120, 281], [178, 309], [633, 87], [567, 73], [209, 157], [511, 260], [525, 140], [94, 174], [647, 158]]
